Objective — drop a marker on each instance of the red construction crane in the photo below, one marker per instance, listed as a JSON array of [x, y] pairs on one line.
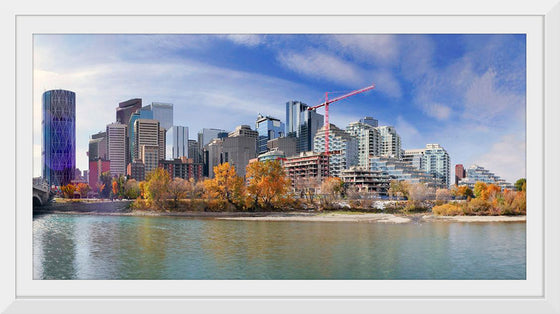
[[328, 102]]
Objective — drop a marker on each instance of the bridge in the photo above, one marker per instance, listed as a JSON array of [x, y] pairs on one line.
[[41, 192]]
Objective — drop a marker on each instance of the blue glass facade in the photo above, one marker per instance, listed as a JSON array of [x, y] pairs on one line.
[[139, 114], [269, 128], [59, 137], [302, 124]]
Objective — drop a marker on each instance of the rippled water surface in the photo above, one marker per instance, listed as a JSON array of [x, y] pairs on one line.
[[124, 247]]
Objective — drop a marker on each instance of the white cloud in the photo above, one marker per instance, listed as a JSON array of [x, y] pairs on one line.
[[506, 158], [437, 111], [382, 50], [320, 65], [410, 136], [250, 40]]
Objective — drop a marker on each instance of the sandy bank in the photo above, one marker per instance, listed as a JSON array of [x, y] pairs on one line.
[[322, 217], [476, 218]]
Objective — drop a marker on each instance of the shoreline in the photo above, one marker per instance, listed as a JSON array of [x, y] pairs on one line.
[[296, 216]]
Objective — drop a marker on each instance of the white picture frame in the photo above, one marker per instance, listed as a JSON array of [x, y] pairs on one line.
[[538, 294]]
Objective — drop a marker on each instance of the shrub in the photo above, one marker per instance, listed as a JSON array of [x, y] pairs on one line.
[[449, 209]]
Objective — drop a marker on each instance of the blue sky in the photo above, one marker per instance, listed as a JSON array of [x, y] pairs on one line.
[[465, 92]]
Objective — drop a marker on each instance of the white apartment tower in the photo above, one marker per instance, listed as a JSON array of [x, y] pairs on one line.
[[368, 141], [343, 149], [390, 142]]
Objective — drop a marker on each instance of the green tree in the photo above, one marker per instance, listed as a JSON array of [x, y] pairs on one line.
[[132, 189], [479, 188], [398, 188], [520, 185]]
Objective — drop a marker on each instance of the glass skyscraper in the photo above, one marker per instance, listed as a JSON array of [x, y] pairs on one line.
[[59, 136], [143, 113], [163, 112], [302, 124], [177, 142], [269, 128]]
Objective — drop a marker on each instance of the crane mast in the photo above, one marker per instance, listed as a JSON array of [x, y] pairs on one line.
[[326, 105]]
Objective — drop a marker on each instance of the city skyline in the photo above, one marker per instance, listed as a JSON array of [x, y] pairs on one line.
[[464, 92]]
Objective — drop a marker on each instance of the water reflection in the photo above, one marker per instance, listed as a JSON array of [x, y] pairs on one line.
[[109, 247]]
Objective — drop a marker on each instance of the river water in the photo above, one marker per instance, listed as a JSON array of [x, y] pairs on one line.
[[126, 247]]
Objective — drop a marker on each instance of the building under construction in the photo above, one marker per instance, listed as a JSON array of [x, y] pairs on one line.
[[306, 167]]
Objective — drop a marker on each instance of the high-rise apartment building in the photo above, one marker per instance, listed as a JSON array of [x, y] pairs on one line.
[[127, 108], [268, 128], [389, 142], [436, 163], [117, 148], [302, 124], [59, 137], [163, 112], [177, 142], [415, 157], [343, 149], [146, 132], [368, 139]]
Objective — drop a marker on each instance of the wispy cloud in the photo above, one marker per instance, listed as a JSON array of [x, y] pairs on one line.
[[250, 40], [437, 111], [506, 158], [381, 50]]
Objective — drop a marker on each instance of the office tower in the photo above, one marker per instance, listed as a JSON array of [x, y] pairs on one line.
[[127, 108], [369, 121], [194, 152], [302, 124], [268, 128], [149, 154], [177, 146], [161, 143], [368, 139], [343, 149], [142, 113], [146, 132], [415, 157], [212, 154], [460, 173], [117, 148], [59, 137], [207, 134], [284, 144], [136, 170], [239, 147], [163, 112], [98, 146], [437, 164], [389, 142]]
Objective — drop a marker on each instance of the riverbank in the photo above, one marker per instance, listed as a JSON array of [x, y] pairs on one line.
[[308, 216]]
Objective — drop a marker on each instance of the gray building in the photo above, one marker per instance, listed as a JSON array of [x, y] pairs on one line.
[[194, 152], [117, 148], [368, 139], [127, 108], [206, 135], [389, 142], [98, 146], [343, 149], [302, 124], [212, 156], [163, 112], [146, 132], [285, 144]]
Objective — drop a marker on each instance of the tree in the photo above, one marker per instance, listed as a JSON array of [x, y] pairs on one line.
[[104, 185], [132, 189], [332, 188], [461, 192], [68, 190], [443, 195], [479, 187], [156, 187], [115, 188], [226, 185], [520, 185], [178, 189], [398, 188], [268, 185], [83, 189], [418, 192], [492, 191]]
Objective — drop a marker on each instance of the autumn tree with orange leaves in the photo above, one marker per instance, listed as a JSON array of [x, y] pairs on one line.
[[226, 186], [267, 185]]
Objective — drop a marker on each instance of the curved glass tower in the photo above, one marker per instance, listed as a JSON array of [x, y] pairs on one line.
[[59, 136]]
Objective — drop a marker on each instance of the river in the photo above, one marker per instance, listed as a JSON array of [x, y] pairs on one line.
[[128, 247]]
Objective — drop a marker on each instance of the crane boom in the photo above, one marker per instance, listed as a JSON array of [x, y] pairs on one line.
[[326, 105]]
